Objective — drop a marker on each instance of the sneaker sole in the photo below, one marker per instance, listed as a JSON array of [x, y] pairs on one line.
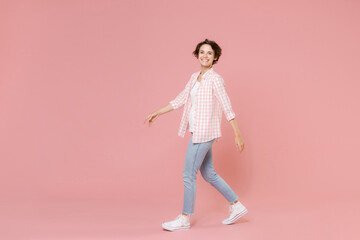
[[236, 217], [175, 229]]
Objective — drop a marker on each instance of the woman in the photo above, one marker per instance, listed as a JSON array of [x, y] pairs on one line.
[[205, 99]]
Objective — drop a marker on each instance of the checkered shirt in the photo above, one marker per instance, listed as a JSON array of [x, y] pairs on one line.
[[211, 101]]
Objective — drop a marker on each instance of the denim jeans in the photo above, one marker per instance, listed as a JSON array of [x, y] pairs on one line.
[[199, 155]]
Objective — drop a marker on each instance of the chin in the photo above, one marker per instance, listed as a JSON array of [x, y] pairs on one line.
[[209, 65]]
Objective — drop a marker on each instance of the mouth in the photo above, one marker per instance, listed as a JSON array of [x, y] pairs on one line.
[[205, 60]]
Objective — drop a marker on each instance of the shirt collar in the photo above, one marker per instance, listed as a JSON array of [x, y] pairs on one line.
[[207, 72]]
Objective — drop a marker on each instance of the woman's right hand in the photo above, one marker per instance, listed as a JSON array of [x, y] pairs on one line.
[[151, 118]]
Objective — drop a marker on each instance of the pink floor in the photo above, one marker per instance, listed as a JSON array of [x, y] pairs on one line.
[[301, 219]]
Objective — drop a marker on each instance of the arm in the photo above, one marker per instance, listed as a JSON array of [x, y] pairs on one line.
[[153, 116], [178, 102], [165, 109], [238, 140], [181, 98], [235, 127], [223, 98]]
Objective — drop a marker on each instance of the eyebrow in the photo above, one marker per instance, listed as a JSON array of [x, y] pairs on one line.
[[208, 51]]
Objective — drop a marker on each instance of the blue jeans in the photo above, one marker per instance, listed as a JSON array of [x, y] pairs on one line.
[[199, 155]]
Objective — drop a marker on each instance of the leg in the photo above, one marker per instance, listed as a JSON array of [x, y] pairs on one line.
[[237, 210], [195, 155], [209, 174]]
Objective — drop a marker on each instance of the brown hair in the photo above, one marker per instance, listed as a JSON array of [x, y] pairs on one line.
[[214, 46]]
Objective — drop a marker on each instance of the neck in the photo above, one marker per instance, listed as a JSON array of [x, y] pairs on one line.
[[204, 69]]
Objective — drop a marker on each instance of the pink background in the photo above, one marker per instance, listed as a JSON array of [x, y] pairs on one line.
[[77, 79]]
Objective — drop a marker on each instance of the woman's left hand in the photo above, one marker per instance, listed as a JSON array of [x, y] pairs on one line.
[[239, 143]]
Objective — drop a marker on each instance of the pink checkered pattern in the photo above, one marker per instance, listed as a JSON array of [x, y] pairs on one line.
[[211, 101]]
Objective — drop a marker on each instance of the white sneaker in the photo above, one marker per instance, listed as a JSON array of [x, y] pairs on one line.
[[181, 222], [236, 210]]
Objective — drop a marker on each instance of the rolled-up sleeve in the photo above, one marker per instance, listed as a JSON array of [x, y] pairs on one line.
[[223, 98], [180, 100]]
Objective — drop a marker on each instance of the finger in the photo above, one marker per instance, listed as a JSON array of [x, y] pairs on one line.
[[151, 120], [150, 117], [154, 118], [147, 118]]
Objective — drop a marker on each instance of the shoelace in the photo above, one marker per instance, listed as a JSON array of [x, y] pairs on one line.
[[181, 218], [232, 207]]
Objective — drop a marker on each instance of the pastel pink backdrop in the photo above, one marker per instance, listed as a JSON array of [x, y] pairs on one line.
[[79, 77]]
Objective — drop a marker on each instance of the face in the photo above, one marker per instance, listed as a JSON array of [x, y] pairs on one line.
[[206, 55]]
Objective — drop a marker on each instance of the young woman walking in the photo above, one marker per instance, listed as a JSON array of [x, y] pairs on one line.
[[204, 99]]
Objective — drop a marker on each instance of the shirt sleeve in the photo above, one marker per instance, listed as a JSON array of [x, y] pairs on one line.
[[223, 98], [180, 100]]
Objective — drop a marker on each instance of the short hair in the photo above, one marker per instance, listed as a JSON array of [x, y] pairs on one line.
[[214, 46]]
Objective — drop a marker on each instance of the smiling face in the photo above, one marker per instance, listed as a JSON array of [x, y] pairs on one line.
[[206, 55]]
